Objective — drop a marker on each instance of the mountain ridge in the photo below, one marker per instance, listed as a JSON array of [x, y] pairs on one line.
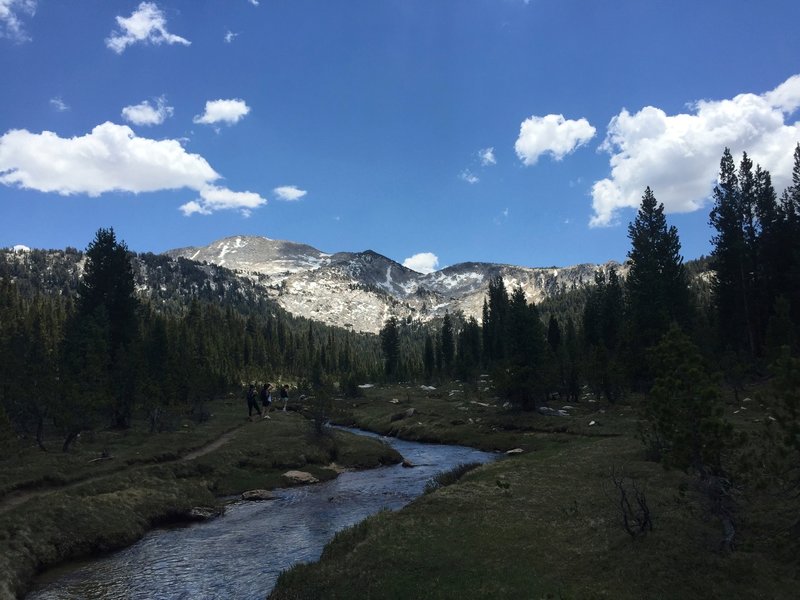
[[360, 290]]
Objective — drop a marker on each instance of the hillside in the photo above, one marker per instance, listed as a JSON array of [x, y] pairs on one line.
[[361, 290]]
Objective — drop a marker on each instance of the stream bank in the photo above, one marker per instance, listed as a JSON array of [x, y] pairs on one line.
[[241, 554]]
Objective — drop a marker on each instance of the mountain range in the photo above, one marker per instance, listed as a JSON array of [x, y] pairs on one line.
[[360, 290]]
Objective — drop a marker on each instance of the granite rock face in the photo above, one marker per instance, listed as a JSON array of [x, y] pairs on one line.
[[360, 290]]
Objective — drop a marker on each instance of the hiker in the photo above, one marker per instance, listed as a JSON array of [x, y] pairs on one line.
[[266, 397], [251, 400], [285, 395]]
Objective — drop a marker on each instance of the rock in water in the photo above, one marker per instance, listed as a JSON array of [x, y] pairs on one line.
[[203, 513], [300, 477], [257, 495]]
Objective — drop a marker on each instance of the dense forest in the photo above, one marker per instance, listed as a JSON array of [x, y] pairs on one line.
[[158, 341]]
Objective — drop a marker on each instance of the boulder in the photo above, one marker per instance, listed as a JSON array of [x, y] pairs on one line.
[[407, 463], [300, 477], [203, 513], [257, 495]]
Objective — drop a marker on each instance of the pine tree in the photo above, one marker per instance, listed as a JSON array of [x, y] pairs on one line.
[[525, 375], [106, 298], [429, 358], [469, 350], [390, 343], [790, 242], [731, 261], [448, 344], [495, 322], [658, 292], [553, 334], [683, 410], [108, 284]]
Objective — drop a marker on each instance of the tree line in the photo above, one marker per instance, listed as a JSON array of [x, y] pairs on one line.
[[100, 355], [739, 314], [662, 340]]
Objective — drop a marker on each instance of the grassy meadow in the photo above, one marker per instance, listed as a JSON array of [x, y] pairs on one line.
[[56, 507], [547, 523]]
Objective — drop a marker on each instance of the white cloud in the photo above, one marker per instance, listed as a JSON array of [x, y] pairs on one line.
[[253, 2], [147, 114], [146, 24], [213, 198], [58, 104], [553, 134], [10, 23], [487, 157], [112, 158], [424, 262], [230, 36], [678, 155], [469, 176], [289, 192], [223, 111]]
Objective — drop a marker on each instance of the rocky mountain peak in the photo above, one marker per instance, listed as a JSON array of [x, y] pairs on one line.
[[360, 290]]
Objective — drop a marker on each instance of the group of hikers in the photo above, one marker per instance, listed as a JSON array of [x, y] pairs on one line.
[[265, 395]]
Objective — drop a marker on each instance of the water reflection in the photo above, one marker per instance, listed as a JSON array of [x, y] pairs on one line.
[[241, 554]]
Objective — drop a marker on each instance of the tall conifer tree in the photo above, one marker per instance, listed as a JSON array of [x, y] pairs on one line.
[[658, 292]]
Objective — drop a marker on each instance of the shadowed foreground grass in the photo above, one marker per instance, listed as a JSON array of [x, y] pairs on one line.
[[546, 523], [64, 507]]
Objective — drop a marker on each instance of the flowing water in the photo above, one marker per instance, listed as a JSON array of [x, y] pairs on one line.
[[240, 555]]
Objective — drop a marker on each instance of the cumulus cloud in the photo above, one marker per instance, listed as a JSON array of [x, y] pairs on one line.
[[253, 2], [213, 198], [223, 111], [678, 155], [11, 26], [112, 158], [553, 134], [230, 36], [58, 104], [289, 193], [147, 24], [469, 176], [424, 262], [147, 114], [487, 157]]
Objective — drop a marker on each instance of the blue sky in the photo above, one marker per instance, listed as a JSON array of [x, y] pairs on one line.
[[447, 130]]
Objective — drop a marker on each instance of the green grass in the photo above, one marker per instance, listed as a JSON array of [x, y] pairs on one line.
[[74, 509], [26, 467], [545, 524]]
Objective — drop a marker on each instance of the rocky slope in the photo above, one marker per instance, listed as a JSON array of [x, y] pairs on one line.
[[360, 290]]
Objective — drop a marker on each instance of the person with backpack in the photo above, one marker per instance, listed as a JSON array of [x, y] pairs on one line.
[[251, 401]]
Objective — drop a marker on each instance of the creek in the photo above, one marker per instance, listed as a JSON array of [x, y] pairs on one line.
[[240, 554]]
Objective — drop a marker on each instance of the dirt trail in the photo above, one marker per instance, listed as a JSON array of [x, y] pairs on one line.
[[211, 446], [14, 499]]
